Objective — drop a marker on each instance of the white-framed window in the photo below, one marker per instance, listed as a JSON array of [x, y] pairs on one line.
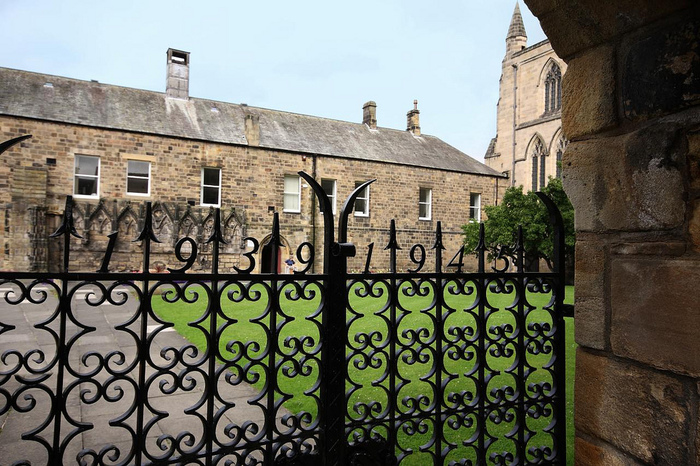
[[138, 178], [425, 203], [86, 181], [362, 201], [211, 187], [292, 194], [329, 188], [475, 207]]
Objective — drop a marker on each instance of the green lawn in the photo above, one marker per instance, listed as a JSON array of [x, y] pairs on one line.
[[246, 320]]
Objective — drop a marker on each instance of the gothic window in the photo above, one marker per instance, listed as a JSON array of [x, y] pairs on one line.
[[543, 178], [552, 89], [561, 146], [534, 171], [537, 153]]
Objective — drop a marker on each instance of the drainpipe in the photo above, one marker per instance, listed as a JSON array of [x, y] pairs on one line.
[[313, 213], [495, 195], [515, 111]]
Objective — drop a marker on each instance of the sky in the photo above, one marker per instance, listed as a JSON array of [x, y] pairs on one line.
[[315, 57]]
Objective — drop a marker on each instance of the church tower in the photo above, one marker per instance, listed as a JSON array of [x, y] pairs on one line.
[[528, 143]]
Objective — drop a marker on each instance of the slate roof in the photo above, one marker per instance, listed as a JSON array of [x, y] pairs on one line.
[[89, 103]]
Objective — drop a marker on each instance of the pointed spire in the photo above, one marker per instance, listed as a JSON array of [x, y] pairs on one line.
[[517, 27]]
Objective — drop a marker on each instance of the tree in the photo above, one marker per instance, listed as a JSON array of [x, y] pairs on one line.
[[518, 208]]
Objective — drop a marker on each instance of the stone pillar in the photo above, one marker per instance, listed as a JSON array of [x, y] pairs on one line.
[[631, 109]]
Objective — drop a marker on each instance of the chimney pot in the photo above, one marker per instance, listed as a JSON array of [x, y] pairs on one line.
[[369, 114], [413, 120], [177, 83]]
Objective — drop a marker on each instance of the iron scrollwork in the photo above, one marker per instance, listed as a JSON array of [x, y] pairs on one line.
[[422, 364]]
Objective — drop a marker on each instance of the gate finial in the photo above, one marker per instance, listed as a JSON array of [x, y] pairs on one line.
[[345, 211], [325, 206], [147, 230], [66, 226]]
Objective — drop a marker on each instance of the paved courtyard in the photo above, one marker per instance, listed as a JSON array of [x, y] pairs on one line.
[[171, 392]]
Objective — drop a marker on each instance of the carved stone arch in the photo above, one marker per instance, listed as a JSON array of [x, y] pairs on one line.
[[187, 225], [263, 263], [207, 228], [100, 220], [128, 227], [233, 232], [163, 227], [79, 221]]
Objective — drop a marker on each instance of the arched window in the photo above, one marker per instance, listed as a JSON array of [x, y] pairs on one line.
[[552, 89], [538, 153], [561, 146]]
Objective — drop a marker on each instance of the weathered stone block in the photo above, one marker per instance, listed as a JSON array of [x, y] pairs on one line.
[[590, 329], [627, 183], [694, 226], [655, 317], [590, 266], [588, 454], [540, 7], [639, 411], [662, 72], [590, 308], [579, 24], [652, 248], [589, 87], [693, 139], [697, 429]]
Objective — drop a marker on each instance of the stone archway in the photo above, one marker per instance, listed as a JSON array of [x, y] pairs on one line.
[[266, 256], [631, 111]]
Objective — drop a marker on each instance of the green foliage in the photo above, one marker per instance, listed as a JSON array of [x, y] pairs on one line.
[[518, 208]]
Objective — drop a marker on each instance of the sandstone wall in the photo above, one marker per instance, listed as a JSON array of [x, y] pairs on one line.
[[252, 189]]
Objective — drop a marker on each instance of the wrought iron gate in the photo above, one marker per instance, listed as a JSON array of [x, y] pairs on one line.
[[403, 367]]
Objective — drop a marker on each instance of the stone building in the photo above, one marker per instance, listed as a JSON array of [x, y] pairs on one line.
[[112, 148], [529, 143]]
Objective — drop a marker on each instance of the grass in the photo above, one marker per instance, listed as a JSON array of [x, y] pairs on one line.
[[244, 321]]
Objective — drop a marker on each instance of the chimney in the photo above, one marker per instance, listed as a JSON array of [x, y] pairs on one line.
[[414, 119], [252, 129], [369, 114], [177, 85]]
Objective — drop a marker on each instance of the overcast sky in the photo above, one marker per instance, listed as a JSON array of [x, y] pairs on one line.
[[322, 58]]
